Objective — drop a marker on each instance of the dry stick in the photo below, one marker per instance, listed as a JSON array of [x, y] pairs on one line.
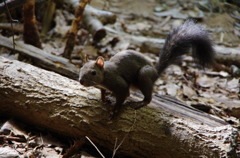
[[165, 21], [12, 27], [95, 146], [30, 33], [73, 149], [43, 59], [48, 16], [116, 148], [11, 21], [74, 28]]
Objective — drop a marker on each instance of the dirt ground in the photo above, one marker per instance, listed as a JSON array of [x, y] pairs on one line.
[[215, 92]]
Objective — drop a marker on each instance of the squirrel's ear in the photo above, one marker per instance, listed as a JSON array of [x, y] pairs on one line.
[[100, 62]]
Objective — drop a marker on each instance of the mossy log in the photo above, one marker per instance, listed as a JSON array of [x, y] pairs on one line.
[[166, 128]]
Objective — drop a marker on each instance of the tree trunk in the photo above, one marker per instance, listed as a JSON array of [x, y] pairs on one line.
[[166, 128]]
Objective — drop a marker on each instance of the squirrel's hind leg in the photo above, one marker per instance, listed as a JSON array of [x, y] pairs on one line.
[[146, 79]]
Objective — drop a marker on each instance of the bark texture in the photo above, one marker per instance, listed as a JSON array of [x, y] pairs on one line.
[[166, 128]]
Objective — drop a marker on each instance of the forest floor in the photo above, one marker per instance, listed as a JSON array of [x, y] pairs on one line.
[[216, 92]]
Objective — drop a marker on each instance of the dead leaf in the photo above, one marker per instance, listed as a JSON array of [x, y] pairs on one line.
[[61, 27], [139, 27], [89, 50], [10, 127], [206, 82], [7, 152], [233, 85], [172, 89], [49, 152], [223, 74], [188, 91], [175, 13]]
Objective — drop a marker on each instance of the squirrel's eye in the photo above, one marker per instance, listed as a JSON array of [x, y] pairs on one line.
[[93, 73]]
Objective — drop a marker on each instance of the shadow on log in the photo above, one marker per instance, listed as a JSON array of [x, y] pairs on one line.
[[166, 128]]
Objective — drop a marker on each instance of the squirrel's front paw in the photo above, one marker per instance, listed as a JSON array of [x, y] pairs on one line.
[[108, 100], [142, 104], [112, 114], [136, 105]]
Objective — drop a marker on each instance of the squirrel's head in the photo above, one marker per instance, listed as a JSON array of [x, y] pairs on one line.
[[91, 73]]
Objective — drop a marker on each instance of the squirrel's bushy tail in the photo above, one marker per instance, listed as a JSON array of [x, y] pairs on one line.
[[181, 39]]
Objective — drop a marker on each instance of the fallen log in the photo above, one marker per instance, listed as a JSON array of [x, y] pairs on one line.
[[94, 19], [41, 58], [64, 67], [104, 16], [94, 26], [12, 27], [154, 45], [228, 55], [166, 128], [146, 44]]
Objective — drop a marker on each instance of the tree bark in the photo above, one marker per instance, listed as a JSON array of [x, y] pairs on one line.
[[166, 128]]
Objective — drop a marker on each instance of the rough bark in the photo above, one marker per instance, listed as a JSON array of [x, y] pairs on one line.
[[166, 128]]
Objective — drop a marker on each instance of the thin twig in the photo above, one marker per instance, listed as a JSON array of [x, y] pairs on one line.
[[11, 21], [165, 21], [95, 147], [116, 148]]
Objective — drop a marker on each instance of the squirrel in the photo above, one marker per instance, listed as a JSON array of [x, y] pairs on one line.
[[131, 68]]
